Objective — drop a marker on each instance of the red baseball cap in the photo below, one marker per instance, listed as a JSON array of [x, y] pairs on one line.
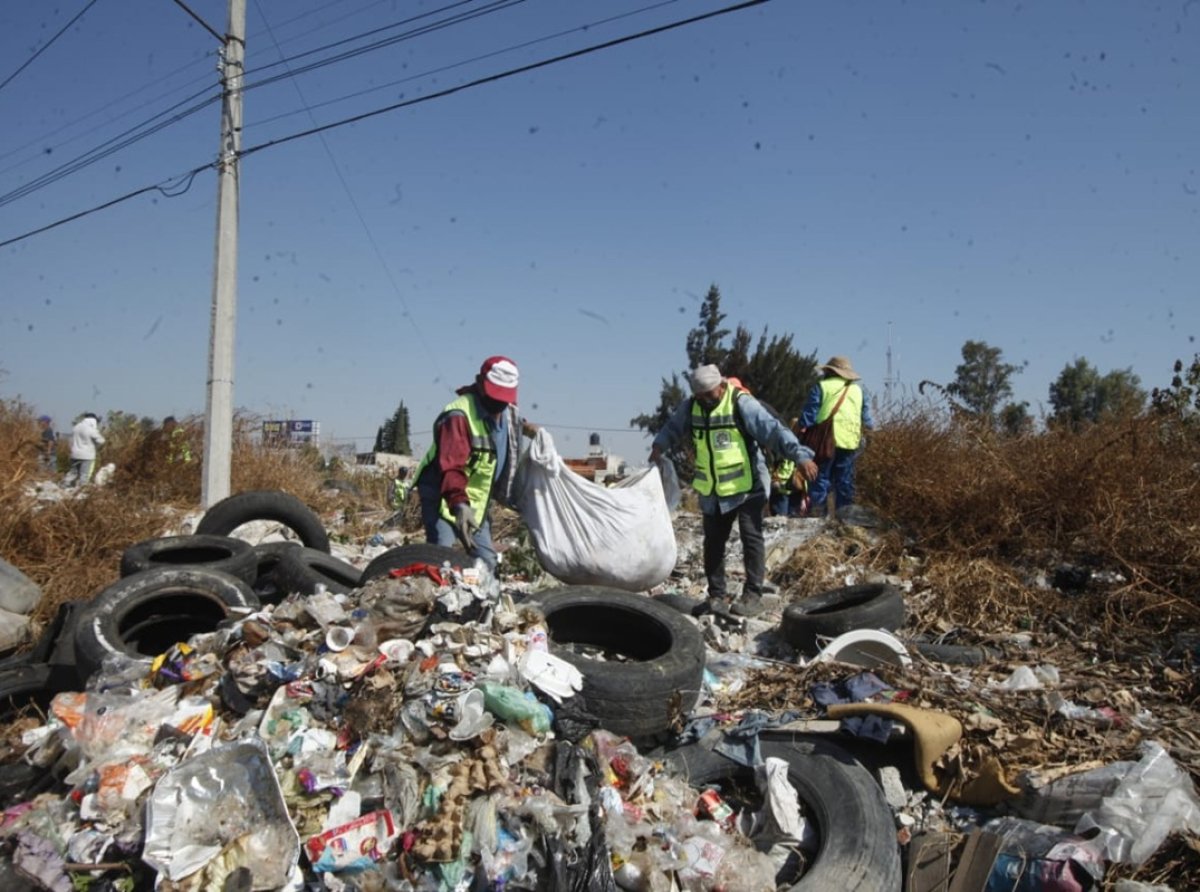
[[498, 377]]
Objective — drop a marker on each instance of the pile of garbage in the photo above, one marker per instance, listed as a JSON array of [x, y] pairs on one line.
[[414, 724], [371, 739]]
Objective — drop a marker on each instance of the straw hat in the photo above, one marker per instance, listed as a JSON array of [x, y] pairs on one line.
[[840, 366]]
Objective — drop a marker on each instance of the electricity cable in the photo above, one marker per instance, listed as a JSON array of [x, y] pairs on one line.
[[504, 75], [432, 356], [161, 187], [287, 60], [340, 123], [203, 24], [496, 6], [114, 144], [441, 69], [107, 148], [69, 124], [45, 46]]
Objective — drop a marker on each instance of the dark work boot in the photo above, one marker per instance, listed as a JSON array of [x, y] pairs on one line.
[[717, 605], [749, 604]]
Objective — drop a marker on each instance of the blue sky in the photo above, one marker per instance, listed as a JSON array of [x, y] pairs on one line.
[[849, 172]]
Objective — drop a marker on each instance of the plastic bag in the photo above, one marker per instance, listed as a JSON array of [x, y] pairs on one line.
[[1154, 799], [225, 804], [586, 534]]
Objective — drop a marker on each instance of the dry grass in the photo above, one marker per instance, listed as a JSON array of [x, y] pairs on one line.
[[72, 548], [823, 561], [1122, 496]]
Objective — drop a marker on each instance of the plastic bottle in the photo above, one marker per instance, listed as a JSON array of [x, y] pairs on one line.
[[537, 638]]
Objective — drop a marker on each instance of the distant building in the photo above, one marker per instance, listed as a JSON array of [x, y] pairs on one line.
[[391, 462], [599, 466]]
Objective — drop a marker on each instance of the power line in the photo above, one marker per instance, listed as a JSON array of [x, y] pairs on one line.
[[479, 81], [98, 110], [503, 75], [357, 211], [473, 59], [203, 24], [287, 60], [45, 46], [496, 6], [159, 187], [324, 7], [120, 141], [130, 136]]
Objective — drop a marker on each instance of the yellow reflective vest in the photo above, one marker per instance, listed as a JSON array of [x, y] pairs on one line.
[[723, 462], [481, 466], [847, 423], [781, 474]]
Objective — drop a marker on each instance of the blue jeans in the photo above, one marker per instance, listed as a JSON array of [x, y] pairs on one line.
[[780, 502], [836, 474], [439, 531]]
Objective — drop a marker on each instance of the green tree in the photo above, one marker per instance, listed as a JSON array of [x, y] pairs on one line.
[[773, 371], [704, 341], [1082, 395], [982, 382], [393, 434], [671, 395], [1015, 419], [1182, 399]]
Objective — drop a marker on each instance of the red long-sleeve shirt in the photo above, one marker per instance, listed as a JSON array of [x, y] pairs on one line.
[[454, 450]]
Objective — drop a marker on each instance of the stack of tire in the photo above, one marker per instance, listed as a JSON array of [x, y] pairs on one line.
[[174, 587]]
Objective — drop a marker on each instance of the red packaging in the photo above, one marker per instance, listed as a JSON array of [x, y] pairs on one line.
[[716, 808]]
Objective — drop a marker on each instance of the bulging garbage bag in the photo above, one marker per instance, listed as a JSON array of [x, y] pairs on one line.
[[587, 534]]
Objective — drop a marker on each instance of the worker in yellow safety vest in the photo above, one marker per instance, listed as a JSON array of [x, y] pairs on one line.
[[730, 430], [472, 460], [839, 394]]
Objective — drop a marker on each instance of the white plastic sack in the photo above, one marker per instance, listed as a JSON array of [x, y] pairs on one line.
[[18, 593], [1153, 800], [14, 630], [587, 534]]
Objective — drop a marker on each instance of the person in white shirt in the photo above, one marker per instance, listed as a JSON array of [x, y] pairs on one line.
[[85, 437]]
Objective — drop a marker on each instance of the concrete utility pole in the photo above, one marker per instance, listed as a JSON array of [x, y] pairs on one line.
[[218, 415]]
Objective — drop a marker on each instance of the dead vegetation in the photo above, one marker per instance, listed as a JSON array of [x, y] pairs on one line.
[[72, 548], [1122, 497]]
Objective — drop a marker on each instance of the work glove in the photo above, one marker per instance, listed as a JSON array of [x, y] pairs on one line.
[[464, 522]]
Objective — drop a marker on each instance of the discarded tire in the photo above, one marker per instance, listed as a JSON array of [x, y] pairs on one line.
[[858, 850], [232, 556], [301, 570], [829, 614], [654, 656], [266, 584], [417, 553], [142, 615], [268, 504], [54, 646], [22, 689], [954, 654]]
